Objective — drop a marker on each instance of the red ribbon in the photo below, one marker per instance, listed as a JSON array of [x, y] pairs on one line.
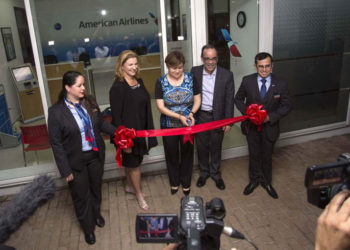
[[155, 231], [123, 136], [123, 139], [256, 114]]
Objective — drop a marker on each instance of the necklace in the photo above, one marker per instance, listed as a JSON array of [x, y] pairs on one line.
[[175, 82], [132, 82]]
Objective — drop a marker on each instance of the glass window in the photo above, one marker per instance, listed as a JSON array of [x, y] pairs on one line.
[[89, 37], [22, 123], [311, 47], [178, 26]]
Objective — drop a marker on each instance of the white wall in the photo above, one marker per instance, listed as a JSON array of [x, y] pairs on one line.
[[7, 19]]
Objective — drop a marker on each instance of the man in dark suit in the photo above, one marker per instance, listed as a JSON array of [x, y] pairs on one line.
[[217, 90], [263, 88], [163, 226]]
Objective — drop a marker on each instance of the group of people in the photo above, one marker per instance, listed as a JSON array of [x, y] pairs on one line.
[[156, 227], [184, 99]]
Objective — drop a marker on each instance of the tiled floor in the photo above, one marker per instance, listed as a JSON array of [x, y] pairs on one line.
[[286, 223]]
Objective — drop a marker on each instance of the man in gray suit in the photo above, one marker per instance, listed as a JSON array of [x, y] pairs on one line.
[[217, 90], [263, 88]]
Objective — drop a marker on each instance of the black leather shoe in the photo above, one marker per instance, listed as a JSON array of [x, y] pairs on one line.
[[220, 184], [100, 222], [201, 181], [250, 187], [271, 191], [173, 190], [186, 192], [90, 238]]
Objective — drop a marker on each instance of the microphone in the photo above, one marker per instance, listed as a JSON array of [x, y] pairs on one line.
[[230, 231], [23, 205]]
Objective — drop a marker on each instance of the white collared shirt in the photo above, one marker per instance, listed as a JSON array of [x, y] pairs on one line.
[[86, 146], [208, 86], [267, 84]]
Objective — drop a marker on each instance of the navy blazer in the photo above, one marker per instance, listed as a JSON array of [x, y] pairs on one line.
[[276, 102], [224, 91], [65, 137]]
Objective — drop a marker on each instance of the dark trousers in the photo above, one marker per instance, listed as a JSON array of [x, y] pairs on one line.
[[86, 191], [209, 144], [260, 156], [179, 160]]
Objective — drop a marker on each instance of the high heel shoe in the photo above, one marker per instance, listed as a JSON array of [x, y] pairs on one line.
[[186, 191], [174, 190], [142, 203]]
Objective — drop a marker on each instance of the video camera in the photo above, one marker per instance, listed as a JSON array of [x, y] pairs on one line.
[[197, 229], [324, 181]]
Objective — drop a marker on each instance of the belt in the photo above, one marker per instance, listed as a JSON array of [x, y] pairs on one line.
[[207, 112], [89, 155], [87, 152]]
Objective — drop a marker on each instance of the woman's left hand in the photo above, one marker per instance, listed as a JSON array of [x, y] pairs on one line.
[[226, 128], [183, 120], [69, 178], [190, 116]]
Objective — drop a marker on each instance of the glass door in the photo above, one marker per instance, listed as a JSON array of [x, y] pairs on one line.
[[234, 22], [178, 29]]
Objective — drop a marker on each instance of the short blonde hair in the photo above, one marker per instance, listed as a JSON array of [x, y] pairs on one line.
[[122, 58]]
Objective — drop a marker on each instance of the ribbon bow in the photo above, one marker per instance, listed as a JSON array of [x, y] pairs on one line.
[[256, 114], [123, 139], [123, 136]]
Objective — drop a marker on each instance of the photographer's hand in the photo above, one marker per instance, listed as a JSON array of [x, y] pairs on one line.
[[171, 246], [333, 225]]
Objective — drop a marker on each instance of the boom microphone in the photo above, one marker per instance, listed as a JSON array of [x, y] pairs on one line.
[[230, 231], [23, 205]]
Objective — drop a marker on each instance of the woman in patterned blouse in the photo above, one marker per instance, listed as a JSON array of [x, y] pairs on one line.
[[178, 99]]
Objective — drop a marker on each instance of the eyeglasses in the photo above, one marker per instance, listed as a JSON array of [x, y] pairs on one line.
[[267, 66], [207, 59]]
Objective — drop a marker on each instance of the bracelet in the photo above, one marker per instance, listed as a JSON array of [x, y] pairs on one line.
[[192, 113]]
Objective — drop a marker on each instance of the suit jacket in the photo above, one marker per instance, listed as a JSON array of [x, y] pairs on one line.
[[65, 137], [163, 227], [276, 102], [224, 91]]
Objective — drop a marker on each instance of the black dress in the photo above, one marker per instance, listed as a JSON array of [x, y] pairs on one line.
[[131, 107]]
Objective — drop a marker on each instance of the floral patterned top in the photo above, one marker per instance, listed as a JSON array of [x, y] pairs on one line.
[[178, 99]]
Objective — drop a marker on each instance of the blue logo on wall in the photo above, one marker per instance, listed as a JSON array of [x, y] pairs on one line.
[[58, 26]]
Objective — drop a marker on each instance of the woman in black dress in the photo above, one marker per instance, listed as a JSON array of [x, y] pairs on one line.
[[131, 107]]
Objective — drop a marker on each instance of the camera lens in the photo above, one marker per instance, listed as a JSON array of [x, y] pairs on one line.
[[216, 209]]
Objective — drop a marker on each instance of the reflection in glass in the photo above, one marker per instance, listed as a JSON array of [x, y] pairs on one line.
[[91, 40], [178, 25], [311, 45], [20, 98], [219, 18], [222, 14]]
